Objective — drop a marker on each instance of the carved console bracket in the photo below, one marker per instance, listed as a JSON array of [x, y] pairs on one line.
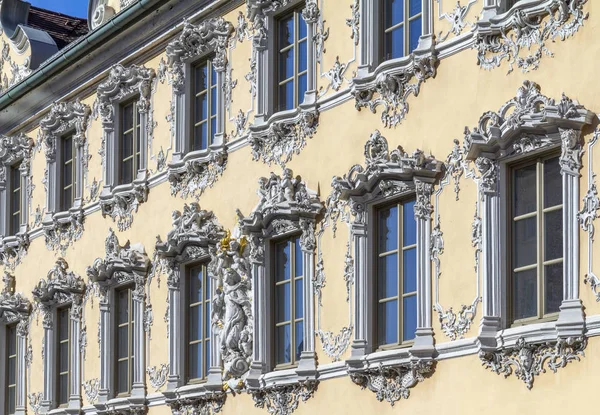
[[192, 177], [528, 360], [284, 399], [392, 383], [207, 404], [121, 206], [521, 35]]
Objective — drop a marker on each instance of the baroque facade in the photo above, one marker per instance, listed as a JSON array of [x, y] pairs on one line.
[[299, 206]]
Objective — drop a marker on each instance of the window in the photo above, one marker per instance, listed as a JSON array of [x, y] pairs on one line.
[[396, 274], [15, 199], [130, 153], [68, 173], [508, 4], [198, 335], [11, 364], [124, 341], [401, 27], [536, 230], [204, 106], [289, 313], [292, 59], [63, 356]]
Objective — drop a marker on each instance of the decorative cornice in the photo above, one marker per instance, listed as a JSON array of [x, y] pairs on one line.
[[521, 36], [391, 383], [13, 249], [279, 139], [64, 232], [192, 177], [13, 306], [15, 148], [121, 204], [211, 35], [530, 360], [207, 404], [284, 399], [63, 117], [61, 286], [17, 72], [391, 85]]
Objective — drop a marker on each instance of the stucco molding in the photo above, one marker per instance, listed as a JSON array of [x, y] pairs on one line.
[[63, 229], [7, 65], [61, 287], [158, 376], [286, 207], [528, 360], [284, 399], [196, 174], [279, 140], [124, 202], [99, 12], [522, 35], [15, 149], [207, 404]]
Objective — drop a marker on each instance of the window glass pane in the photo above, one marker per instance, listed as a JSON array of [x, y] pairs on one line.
[[127, 145], [409, 317], [63, 389], [409, 224], [302, 56], [524, 183], [286, 31], [298, 298], [525, 294], [552, 183], [553, 235], [12, 368], [410, 270], [213, 101], [213, 130], [302, 82], [122, 376], [123, 306], [207, 317], [201, 78], [206, 356], [525, 242], [282, 261], [394, 43], [195, 361], [207, 292], [213, 75], [195, 318], [283, 342], [123, 344], [127, 171], [12, 393], [286, 64], [393, 12], [67, 149], [127, 117], [201, 137], [12, 340], [554, 287], [63, 324], [302, 32], [67, 196], [388, 276], [201, 107], [63, 350], [282, 300], [387, 322], [286, 96], [196, 285], [388, 229], [298, 256], [299, 340], [414, 30], [414, 7]]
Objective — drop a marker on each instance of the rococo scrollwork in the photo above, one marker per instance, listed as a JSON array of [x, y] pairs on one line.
[[284, 399]]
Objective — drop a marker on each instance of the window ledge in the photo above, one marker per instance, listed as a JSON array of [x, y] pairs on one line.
[[197, 171], [65, 411], [121, 202], [131, 404], [13, 248], [204, 396], [63, 229], [392, 82], [284, 134]]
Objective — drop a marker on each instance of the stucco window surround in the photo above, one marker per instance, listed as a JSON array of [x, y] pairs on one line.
[[123, 265], [15, 150], [389, 83], [121, 201], [389, 176], [63, 228], [276, 136], [190, 172], [192, 240], [526, 126], [287, 208], [14, 309], [61, 288], [522, 34]]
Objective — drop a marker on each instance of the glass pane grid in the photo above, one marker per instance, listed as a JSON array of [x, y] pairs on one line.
[[198, 334], [124, 341], [291, 61], [15, 203], [204, 106], [130, 142], [11, 364], [401, 27]]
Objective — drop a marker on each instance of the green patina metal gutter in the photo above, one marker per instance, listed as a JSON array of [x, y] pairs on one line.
[[72, 54]]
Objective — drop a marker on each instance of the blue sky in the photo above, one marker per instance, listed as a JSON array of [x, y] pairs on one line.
[[77, 8]]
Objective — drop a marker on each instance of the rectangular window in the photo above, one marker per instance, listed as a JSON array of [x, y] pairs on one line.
[[401, 27], [63, 355], [11, 369], [292, 63], [15, 199], [198, 334], [67, 175], [396, 282], [130, 144], [204, 106], [124, 341], [289, 302], [536, 239]]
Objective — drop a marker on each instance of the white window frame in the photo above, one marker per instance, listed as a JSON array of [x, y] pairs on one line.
[[61, 288], [121, 201], [15, 309], [121, 267], [63, 228]]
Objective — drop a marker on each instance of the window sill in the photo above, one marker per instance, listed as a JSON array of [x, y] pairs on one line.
[[65, 411], [197, 395], [131, 404], [122, 201]]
